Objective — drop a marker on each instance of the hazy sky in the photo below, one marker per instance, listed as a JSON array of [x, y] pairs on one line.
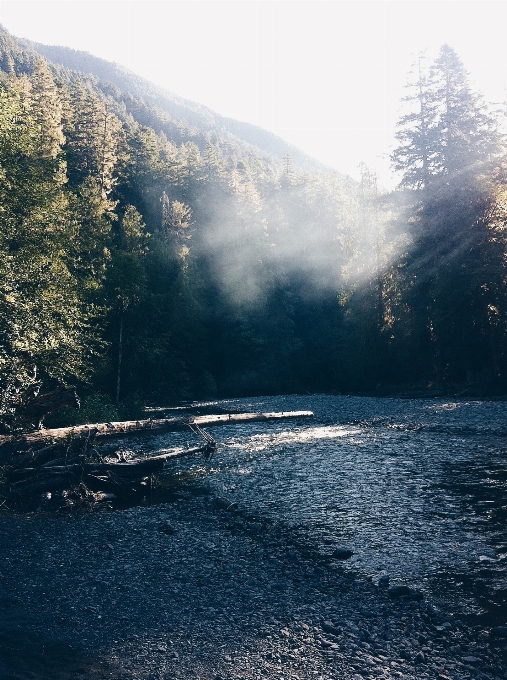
[[326, 76]]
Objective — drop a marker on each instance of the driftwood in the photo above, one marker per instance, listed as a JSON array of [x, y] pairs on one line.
[[139, 466], [122, 479], [103, 431], [58, 460]]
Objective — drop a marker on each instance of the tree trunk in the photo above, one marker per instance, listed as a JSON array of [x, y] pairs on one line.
[[103, 431], [120, 352]]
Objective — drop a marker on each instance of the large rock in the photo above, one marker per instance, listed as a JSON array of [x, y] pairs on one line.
[[405, 591], [399, 591], [328, 627]]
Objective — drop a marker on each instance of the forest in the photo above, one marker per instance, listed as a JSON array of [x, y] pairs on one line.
[[147, 260]]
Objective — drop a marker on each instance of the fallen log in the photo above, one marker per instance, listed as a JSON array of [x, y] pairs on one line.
[[143, 466], [57, 460], [104, 431], [123, 479], [37, 457]]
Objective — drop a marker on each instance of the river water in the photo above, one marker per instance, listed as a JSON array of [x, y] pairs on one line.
[[417, 489]]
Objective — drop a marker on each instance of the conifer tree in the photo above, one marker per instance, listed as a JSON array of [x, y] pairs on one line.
[[93, 139], [45, 336], [415, 153], [450, 262], [47, 110], [467, 137]]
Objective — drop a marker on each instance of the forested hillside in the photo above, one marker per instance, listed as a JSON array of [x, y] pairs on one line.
[[154, 106], [144, 258]]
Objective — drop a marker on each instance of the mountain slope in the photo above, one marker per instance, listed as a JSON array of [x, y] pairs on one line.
[[195, 115]]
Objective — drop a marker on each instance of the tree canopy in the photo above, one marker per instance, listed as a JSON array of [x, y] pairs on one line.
[[142, 259]]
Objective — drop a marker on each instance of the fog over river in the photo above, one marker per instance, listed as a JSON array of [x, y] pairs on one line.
[[417, 489]]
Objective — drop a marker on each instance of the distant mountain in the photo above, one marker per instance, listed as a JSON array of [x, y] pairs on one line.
[[181, 110]]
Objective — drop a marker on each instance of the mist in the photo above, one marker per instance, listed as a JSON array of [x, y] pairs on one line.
[[317, 234], [264, 273]]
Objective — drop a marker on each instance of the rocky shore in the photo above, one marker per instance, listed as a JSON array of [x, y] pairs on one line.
[[197, 588]]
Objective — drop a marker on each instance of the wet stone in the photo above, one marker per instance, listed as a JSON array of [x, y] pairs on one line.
[[208, 591], [419, 657], [328, 627], [399, 591], [342, 554], [470, 660]]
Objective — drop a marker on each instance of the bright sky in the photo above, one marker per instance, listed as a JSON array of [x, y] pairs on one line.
[[325, 76]]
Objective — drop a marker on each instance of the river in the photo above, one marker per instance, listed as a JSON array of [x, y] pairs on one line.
[[417, 489]]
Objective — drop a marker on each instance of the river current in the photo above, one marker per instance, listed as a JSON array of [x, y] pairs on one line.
[[417, 489]]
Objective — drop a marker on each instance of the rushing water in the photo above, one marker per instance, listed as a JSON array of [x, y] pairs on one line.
[[416, 488]]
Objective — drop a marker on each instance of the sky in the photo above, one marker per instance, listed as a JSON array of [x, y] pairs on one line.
[[327, 77]]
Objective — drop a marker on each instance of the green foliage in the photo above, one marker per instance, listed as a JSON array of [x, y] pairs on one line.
[[450, 307], [148, 260], [44, 323], [95, 408]]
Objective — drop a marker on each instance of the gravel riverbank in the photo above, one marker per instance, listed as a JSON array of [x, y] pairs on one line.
[[240, 569], [195, 588]]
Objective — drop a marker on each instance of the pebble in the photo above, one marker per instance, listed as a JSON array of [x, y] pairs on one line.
[[328, 627], [399, 591], [419, 657], [342, 554], [444, 626], [470, 659]]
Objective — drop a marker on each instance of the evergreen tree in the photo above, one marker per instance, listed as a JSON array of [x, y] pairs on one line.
[[44, 323], [448, 132], [453, 250], [467, 137], [93, 139], [415, 155], [46, 106], [126, 279]]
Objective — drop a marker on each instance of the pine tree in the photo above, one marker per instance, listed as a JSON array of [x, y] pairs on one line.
[[45, 336], [93, 139], [448, 132], [454, 257], [126, 278], [415, 154], [467, 137], [47, 110]]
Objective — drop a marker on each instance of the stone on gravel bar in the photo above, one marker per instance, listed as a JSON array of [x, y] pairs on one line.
[[328, 627], [399, 591], [325, 643], [405, 591], [419, 657], [444, 626]]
